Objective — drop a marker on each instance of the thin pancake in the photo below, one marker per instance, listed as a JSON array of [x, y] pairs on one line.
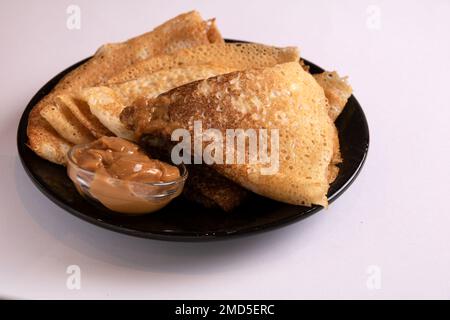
[[239, 56], [337, 91], [185, 66], [206, 187], [65, 123], [184, 31], [80, 109], [106, 103], [283, 98]]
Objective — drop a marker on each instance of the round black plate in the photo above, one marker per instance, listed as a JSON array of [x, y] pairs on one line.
[[182, 220]]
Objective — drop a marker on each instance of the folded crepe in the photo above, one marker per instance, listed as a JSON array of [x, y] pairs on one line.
[[107, 102], [239, 56], [282, 98], [337, 91], [52, 126]]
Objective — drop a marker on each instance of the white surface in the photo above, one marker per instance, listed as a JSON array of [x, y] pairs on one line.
[[395, 215]]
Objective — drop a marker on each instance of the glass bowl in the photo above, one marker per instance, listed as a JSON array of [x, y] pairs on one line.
[[130, 197]]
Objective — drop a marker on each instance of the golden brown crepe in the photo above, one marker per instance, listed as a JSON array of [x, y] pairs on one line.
[[337, 91], [64, 122], [106, 102], [283, 98], [239, 56], [52, 140]]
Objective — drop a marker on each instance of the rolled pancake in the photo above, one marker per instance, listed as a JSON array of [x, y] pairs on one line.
[[336, 89], [239, 56], [283, 98], [107, 102], [184, 31]]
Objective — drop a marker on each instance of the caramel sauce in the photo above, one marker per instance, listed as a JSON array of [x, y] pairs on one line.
[[121, 170]]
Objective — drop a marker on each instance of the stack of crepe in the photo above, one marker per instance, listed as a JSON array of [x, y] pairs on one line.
[[173, 65]]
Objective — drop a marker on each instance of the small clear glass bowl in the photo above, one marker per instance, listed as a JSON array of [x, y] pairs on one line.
[[129, 197]]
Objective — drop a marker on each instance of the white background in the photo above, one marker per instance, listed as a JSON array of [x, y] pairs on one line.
[[394, 217]]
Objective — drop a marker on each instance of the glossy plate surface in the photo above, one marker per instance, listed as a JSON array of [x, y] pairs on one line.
[[182, 220]]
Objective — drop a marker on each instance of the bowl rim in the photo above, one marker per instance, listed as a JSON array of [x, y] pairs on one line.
[[183, 172]]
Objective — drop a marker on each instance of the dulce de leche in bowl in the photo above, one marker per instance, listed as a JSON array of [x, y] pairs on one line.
[[122, 177]]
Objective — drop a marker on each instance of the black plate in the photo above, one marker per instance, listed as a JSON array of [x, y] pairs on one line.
[[182, 220]]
